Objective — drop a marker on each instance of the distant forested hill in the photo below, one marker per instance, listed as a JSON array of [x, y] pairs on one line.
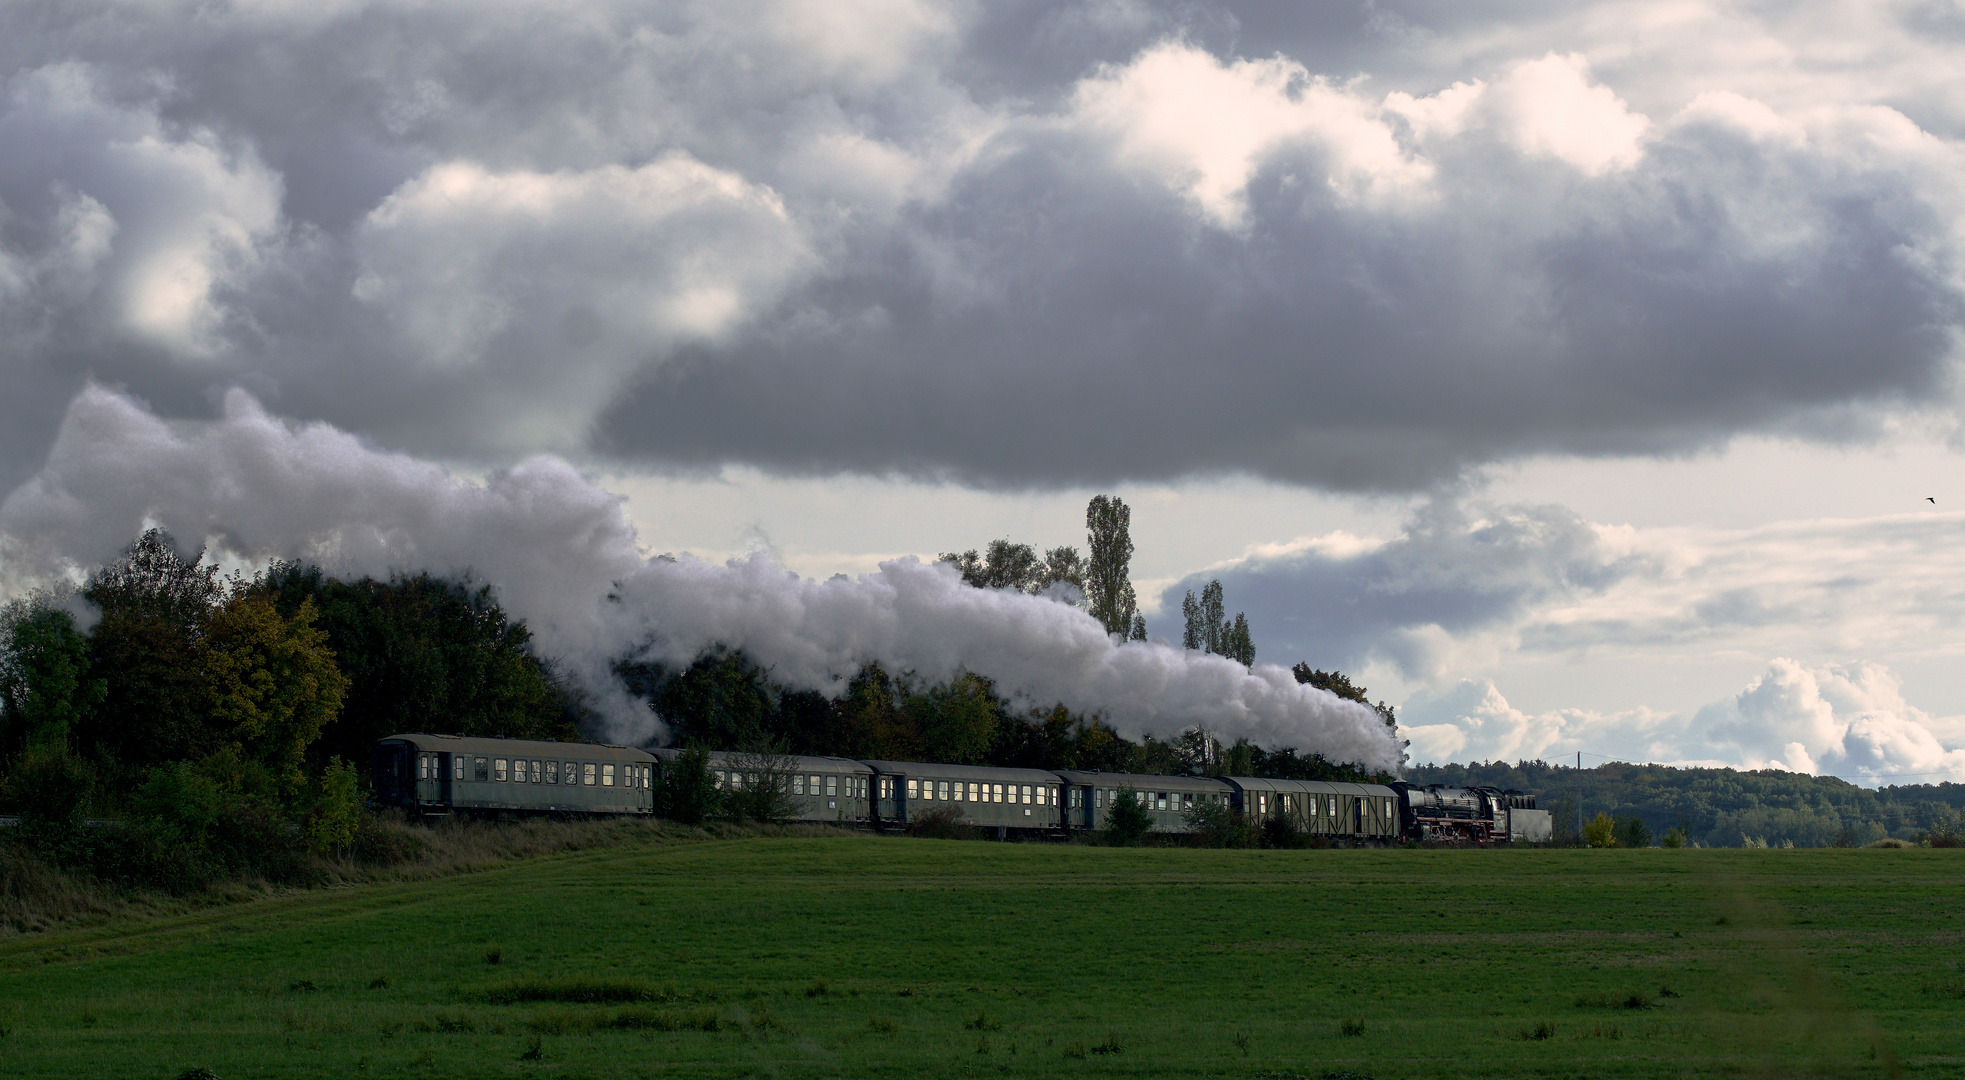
[[1721, 807]]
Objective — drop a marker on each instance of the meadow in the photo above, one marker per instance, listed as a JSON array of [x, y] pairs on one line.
[[907, 958]]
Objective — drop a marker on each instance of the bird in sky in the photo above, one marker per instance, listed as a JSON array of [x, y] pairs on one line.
[[1931, 499]]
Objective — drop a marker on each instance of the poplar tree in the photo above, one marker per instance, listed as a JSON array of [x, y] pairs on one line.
[[1108, 584], [1209, 630]]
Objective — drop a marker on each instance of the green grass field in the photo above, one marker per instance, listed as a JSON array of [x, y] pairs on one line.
[[912, 959]]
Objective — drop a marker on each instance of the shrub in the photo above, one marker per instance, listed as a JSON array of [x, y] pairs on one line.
[[49, 784], [1127, 822], [688, 793], [761, 788], [1947, 830], [331, 826], [944, 822], [1217, 825], [1673, 838], [1601, 832], [1281, 832], [1632, 832]]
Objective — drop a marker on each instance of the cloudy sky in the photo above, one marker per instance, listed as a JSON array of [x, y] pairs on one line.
[[1576, 375]]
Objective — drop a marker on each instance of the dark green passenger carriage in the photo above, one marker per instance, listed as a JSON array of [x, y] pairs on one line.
[[820, 790], [436, 775]]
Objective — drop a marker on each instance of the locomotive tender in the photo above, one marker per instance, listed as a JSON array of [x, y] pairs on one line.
[[437, 775]]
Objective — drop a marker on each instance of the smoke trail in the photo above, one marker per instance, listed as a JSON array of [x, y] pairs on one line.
[[562, 555]]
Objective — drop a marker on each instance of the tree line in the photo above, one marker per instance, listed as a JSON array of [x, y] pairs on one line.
[[1627, 805], [228, 721]]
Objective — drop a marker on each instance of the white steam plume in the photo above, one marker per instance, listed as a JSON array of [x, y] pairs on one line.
[[562, 555]]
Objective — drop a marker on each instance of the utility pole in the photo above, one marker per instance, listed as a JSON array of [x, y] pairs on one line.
[[1579, 793]]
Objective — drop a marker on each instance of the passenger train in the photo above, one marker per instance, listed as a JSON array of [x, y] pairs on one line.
[[437, 775]]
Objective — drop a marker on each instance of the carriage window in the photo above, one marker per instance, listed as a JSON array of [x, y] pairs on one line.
[[481, 768], [832, 786], [457, 767], [996, 793], [607, 775], [422, 766], [798, 784], [913, 788], [538, 772], [587, 771], [498, 769], [1159, 800], [1333, 807], [552, 772]]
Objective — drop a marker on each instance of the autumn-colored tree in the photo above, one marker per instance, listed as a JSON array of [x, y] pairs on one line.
[[421, 650], [271, 685], [1601, 832]]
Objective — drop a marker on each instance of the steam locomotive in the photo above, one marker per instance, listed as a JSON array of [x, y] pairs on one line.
[[439, 775]]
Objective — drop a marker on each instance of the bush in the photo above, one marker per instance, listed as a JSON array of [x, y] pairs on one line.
[[1601, 832], [1217, 825], [1632, 832], [760, 788], [386, 840], [1947, 829], [944, 822], [331, 825], [1280, 831], [50, 785], [1128, 822], [688, 793], [1673, 838]]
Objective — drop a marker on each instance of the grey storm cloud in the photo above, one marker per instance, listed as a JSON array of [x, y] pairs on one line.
[[1015, 244]]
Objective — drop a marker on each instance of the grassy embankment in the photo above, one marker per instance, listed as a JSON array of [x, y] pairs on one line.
[[853, 957]]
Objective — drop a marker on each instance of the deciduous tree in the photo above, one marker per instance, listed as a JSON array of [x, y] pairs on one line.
[[271, 685], [1127, 820], [1601, 832], [154, 603], [1208, 629], [1109, 591], [46, 689]]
